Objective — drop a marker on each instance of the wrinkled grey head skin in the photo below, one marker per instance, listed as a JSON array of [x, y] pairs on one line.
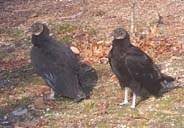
[[119, 33], [37, 28]]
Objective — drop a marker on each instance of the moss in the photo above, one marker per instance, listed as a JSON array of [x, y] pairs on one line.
[[13, 32], [92, 31], [25, 101], [151, 23], [88, 105], [64, 27], [67, 39], [179, 90], [20, 102], [18, 32]]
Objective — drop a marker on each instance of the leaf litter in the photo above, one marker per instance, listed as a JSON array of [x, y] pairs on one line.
[[22, 88]]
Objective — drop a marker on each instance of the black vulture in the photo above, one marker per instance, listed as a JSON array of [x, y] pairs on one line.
[[55, 63], [135, 69]]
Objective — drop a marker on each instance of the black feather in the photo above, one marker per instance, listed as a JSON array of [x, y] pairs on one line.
[[57, 65], [134, 68]]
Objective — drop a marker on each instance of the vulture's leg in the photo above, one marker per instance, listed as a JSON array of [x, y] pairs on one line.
[[52, 93], [125, 97], [133, 100], [47, 97]]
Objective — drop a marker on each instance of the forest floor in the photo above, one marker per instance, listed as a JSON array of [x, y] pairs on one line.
[[86, 24]]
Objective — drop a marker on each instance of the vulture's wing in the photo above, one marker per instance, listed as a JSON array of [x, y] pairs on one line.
[[140, 66], [58, 68]]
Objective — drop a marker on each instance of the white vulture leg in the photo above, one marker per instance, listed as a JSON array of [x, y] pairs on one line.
[[125, 97]]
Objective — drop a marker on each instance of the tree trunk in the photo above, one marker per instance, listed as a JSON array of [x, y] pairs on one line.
[[132, 17]]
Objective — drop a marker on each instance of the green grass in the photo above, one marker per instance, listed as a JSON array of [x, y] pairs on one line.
[[102, 124], [66, 28], [20, 102], [88, 105], [92, 31], [151, 23], [67, 39], [18, 32]]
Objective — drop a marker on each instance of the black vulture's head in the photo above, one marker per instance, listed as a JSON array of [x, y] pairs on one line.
[[39, 28], [119, 33]]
